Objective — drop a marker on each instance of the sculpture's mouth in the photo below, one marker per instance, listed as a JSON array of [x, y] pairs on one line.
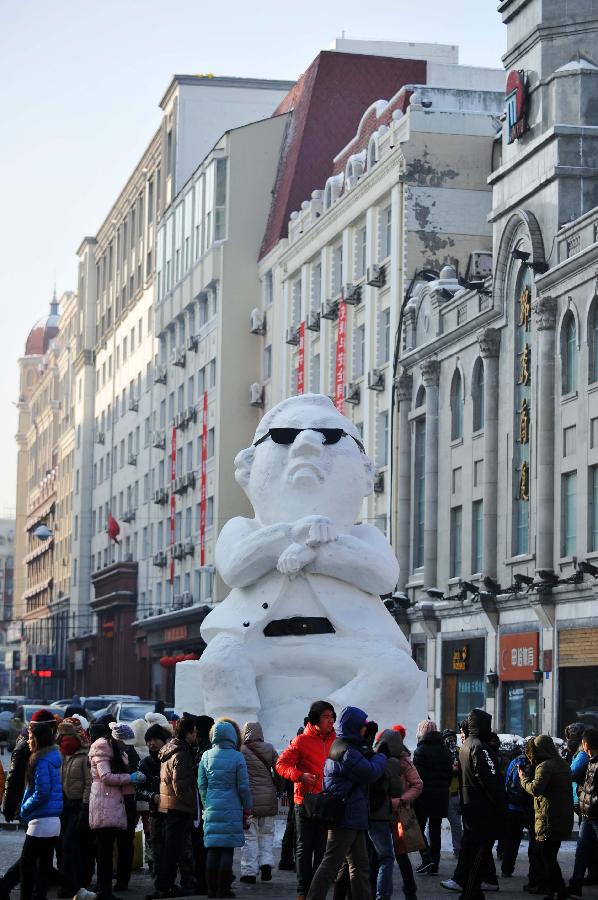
[[305, 469]]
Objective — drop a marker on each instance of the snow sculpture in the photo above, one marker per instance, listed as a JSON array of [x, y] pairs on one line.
[[304, 619]]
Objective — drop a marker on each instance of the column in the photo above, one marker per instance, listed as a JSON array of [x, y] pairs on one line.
[[404, 388], [489, 341], [545, 309], [430, 369]]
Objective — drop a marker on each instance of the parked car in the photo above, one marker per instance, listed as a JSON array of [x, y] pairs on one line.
[[5, 717], [22, 718], [8, 704], [128, 711], [97, 704]]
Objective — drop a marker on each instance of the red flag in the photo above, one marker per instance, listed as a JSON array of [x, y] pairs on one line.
[[113, 528], [301, 360], [341, 348]]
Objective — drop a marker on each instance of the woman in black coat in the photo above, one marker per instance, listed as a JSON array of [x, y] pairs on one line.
[[434, 764]]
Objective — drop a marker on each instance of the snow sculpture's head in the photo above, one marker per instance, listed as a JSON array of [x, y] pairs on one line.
[[306, 459]]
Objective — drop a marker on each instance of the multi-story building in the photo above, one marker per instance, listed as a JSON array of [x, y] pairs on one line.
[[497, 424], [405, 197], [113, 478], [7, 563]]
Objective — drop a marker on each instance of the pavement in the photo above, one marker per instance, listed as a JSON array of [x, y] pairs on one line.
[[283, 883]]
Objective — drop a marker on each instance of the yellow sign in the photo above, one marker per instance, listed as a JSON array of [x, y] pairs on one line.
[[524, 422], [525, 308], [525, 374], [524, 482], [460, 658]]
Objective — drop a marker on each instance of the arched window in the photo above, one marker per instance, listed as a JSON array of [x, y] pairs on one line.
[[569, 353], [457, 406], [477, 395], [593, 340], [420, 398]]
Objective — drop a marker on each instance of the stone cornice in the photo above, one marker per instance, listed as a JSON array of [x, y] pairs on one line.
[[545, 310], [489, 341], [430, 369], [404, 386]]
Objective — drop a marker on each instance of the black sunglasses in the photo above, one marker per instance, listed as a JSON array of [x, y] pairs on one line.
[[288, 435]]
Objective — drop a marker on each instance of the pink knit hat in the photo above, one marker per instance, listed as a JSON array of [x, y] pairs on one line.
[[425, 727]]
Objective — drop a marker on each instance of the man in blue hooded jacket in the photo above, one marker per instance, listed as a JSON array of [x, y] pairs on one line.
[[347, 774]]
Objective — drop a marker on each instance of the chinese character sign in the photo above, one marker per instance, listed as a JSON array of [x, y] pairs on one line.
[[301, 360], [341, 355], [172, 502], [204, 479]]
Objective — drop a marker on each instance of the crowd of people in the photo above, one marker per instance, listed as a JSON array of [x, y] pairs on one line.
[[359, 800]]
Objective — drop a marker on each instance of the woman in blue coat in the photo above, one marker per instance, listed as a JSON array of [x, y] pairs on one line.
[[226, 799], [41, 808]]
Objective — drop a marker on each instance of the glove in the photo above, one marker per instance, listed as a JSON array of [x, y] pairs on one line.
[[137, 777]]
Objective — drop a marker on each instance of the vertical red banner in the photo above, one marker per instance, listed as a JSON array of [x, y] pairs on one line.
[[301, 360], [204, 480], [341, 354], [172, 502]]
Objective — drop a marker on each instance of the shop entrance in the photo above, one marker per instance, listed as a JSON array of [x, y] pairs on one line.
[[578, 692], [521, 709]]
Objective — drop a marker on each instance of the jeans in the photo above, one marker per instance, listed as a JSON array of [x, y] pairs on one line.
[[552, 877], [105, 838], [343, 843], [311, 844], [585, 850], [434, 830], [381, 837], [175, 826], [36, 865], [259, 840], [454, 817]]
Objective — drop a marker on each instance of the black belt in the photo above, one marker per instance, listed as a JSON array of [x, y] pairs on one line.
[[297, 626]]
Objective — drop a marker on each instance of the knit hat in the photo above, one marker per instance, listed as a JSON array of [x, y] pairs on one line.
[[157, 732], [69, 727], [121, 731], [401, 729], [42, 717], [154, 718], [82, 721], [425, 727]]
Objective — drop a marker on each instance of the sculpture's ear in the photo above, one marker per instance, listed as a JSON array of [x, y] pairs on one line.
[[369, 467], [243, 463]]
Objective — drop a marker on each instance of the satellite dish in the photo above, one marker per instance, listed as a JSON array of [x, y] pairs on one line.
[[43, 533]]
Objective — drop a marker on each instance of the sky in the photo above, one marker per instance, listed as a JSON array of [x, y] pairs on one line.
[[80, 84]]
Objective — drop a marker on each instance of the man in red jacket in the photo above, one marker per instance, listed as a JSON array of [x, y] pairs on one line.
[[303, 763]]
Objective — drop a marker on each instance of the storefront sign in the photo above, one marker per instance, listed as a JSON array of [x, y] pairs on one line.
[[301, 360], [341, 354], [519, 656], [464, 657], [204, 479], [516, 101], [176, 633], [172, 501]]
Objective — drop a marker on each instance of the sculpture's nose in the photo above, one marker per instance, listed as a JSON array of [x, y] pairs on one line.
[[307, 443]]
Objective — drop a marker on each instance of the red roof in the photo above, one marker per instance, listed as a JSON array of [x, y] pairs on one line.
[[327, 104]]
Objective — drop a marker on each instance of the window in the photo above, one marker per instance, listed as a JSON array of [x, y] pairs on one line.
[[420, 491], [456, 521], [569, 353], [593, 509], [360, 251], [268, 289], [220, 201], [198, 217], [267, 361], [296, 302], [337, 269], [359, 355], [315, 373], [385, 229], [568, 514], [477, 396], [316, 287], [384, 346], [210, 512], [382, 439], [457, 406], [593, 341], [211, 442], [477, 536]]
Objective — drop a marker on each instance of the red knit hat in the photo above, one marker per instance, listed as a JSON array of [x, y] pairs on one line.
[[43, 717], [401, 729]]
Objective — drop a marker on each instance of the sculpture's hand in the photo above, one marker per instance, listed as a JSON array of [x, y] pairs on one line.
[[294, 558], [314, 530]]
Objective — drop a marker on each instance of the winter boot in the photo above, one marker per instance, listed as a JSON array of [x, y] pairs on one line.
[[212, 883], [266, 873]]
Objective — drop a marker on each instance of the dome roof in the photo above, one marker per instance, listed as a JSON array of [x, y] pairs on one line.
[[43, 331]]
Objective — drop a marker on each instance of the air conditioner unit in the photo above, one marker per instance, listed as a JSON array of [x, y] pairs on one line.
[[379, 483], [129, 557], [190, 479], [257, 321], [189, 548], [187, 598], [179, 486], [99, 437], [177, 601], [352, 393], [329, 309], [133, 404], [292, 336], [180, 421], [313, 321], [376, 380], [178, 550], [256, 394], [479, 265], [191, 414], [128, 516], [352, 294], [177, 357], [192, 343], [159, 440], [132, 459], [161, 496], [160, 375], [376, 276]]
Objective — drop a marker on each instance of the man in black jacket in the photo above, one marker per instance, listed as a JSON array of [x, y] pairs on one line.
[[482, 802], [588, 811], [149, 792]]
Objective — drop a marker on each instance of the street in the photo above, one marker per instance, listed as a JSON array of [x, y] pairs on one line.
[[283, 883]]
